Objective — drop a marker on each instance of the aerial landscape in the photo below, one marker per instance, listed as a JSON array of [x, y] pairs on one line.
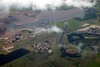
[[50, 33]]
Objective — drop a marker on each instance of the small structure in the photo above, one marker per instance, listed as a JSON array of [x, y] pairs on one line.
[[72, 51], [8, 47], [86, 24]]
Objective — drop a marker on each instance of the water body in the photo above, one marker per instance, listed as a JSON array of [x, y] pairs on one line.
[[81, 36], [12, 56]]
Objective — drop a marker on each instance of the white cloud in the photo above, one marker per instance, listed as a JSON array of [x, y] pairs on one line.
[[80, 3], [42, 4], [47, 30]]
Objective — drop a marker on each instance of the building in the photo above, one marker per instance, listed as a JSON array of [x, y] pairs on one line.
[[90, 29], [8, 47]]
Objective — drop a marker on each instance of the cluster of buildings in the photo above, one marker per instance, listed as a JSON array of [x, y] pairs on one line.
[[8, 41], [43, 47], [92, 29], [28, 13], [23, 35]]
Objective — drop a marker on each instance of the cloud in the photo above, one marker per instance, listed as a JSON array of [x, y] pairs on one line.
[[47, 30], [5, 5], [80, 3]]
